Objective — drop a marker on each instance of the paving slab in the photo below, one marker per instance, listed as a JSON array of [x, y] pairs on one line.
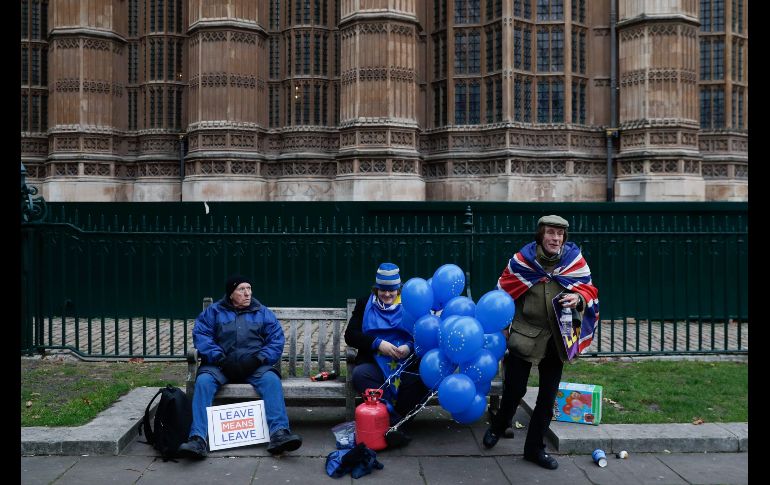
[[227, 471], [461, 470], [44, 469], [293, 469], [709, 468], [637, 469], [519, 470], [97, 470]]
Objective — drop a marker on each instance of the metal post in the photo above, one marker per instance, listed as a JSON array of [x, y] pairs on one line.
[[468, 226]]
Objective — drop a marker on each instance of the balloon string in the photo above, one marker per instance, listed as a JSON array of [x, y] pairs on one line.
[[414, 411], [397, 372]]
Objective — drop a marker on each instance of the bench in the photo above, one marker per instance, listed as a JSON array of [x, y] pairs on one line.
[[313, 336]]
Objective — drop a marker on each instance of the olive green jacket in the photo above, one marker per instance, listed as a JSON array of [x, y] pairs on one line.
[[535, 322]]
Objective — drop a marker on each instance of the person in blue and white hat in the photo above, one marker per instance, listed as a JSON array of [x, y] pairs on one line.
[[376, 329]]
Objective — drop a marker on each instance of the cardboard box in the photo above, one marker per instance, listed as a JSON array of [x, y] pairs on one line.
[[578, 403]]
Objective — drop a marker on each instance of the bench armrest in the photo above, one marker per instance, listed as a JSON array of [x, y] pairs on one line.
[[350, 355], [192, 370], [192, 356]]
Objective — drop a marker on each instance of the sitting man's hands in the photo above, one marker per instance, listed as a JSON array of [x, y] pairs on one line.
[[239, 367], [229, 366]]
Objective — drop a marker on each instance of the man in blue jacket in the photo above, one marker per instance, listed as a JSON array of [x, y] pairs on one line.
[[239, 340]]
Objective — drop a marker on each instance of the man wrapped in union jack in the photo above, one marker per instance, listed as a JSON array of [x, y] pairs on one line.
[[544, 276]]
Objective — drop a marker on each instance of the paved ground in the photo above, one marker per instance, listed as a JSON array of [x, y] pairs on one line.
[[443, 452]]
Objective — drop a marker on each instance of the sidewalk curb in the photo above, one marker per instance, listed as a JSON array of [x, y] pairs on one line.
[[107, 434], [643, 438]]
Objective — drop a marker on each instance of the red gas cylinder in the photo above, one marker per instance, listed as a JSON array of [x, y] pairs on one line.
[[372, 420]]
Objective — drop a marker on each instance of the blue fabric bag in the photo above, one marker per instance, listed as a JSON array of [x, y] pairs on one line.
[[358, 461]]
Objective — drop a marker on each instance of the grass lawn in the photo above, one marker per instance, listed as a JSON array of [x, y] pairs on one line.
[[666, 391], [58, 392]]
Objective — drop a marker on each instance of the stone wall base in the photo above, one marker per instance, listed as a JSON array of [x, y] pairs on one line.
[[224, 188], [379, 188], [660, 188], [727, 190], [92, 189], [513, 188]]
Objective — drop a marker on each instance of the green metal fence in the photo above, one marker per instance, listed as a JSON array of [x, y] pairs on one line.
[[126, 279]]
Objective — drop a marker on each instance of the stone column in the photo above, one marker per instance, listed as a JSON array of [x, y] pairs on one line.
[[378, 156], [658, 112], [87, 120], [227, 101]]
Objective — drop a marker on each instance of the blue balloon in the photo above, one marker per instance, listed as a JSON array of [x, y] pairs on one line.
[[496, 343], [425, 334], [443, 329], [417, 297], [495, 310], [435, 306], [473, 412], [434, 367], [456, 393], [483, 388], [481, 368], [464, 337], [407, 320], [448, 282], [459, 305]]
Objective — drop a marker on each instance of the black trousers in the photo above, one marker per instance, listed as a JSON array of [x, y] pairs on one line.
[[515, 386], [411, 391]]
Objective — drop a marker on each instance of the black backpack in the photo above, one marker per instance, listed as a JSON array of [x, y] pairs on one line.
[[173, 419]]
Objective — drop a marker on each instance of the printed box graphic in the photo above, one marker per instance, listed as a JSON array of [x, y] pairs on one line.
[[578, 403]]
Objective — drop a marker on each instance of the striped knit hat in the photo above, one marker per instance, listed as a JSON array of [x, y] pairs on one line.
[[387, 277]]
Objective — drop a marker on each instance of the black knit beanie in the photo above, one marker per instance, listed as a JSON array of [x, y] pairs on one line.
[[233, 282]]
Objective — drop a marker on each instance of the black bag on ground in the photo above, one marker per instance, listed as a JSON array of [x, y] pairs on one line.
[[172, 422]]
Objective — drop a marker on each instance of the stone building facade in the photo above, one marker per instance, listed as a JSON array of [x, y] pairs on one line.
[[283, 100]]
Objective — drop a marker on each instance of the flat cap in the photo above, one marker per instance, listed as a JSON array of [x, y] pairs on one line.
[[553, 220]]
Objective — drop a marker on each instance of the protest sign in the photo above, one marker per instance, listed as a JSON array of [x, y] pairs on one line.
[[238, 424]]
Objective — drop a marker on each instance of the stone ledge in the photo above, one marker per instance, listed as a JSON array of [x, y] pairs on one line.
[[107, 434], [643, 438]]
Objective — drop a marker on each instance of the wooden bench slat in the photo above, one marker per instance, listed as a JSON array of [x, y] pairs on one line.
[[322, 344], [336, 347], [293, 388], [293, 348], [306, 354]]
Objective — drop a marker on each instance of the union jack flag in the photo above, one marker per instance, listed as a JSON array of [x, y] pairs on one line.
[[571, 272]]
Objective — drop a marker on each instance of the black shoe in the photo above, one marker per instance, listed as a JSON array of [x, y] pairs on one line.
[[508, 433], [396, 438], [490, 438], [543, 459], [283, 440], [195, 448]]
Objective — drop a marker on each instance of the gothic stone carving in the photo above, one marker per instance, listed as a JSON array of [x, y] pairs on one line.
[[96, 144], [715, 170], [402, 138], [403, 166], [96, 169]]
